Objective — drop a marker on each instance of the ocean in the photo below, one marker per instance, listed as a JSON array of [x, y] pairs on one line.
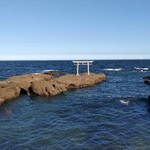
[[92, 118]]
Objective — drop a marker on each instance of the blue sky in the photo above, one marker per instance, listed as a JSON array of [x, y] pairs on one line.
[[74, 29]]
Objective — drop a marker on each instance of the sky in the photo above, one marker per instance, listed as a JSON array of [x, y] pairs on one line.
[[74, 29]]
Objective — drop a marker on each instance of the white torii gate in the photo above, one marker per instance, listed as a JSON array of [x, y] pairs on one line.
[[88, 63]]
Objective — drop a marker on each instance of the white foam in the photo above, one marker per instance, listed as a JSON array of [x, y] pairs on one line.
[[36, 73], [44, 71], [124, 102], [141, 69], [112, 69]]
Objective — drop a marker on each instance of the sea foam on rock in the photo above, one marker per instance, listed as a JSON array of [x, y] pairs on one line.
[[45, 84]]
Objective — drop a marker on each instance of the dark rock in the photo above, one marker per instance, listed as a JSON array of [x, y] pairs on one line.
[[146, 77], [148, 103], [147, 81]]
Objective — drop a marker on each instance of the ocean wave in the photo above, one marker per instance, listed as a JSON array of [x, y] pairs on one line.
[[141, 69], [124, 102], [112, 69], [44, 71], [36, 73]]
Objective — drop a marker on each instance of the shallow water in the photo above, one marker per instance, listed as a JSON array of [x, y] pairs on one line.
[[88, 118]]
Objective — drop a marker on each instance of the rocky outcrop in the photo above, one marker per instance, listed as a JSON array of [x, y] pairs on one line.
[[63, 83], [45, 84], [53, 73], [147, 79], [8, 93], [24, 81], [51, 88], [73, 81]]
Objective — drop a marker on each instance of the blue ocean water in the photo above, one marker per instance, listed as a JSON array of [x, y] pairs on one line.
[[90, 118]]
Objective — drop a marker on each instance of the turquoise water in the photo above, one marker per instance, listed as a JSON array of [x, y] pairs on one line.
[[88, 118]]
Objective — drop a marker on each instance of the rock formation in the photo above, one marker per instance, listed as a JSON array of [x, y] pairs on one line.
[[45, 84], [147, 79]]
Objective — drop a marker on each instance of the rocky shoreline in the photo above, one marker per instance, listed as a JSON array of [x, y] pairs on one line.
[[45, 84]]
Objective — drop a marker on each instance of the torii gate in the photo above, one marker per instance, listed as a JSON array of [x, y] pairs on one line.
[[88, 63]]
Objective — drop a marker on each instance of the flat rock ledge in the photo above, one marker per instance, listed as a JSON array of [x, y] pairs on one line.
[[45, 84]]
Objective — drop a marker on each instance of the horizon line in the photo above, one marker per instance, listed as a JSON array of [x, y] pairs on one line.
[[73, 57]]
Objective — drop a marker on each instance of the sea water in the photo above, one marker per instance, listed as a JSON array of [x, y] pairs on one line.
[[90, 118]]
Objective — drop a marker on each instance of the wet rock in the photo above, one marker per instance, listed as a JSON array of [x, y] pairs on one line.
[[148, 101], [147, 81], [147, 77], [149, 98], [6, 111], [2, 100]]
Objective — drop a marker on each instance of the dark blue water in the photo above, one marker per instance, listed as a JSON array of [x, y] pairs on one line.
[[89, 118]]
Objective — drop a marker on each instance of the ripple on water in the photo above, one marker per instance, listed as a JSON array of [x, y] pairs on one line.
[[88, 118]]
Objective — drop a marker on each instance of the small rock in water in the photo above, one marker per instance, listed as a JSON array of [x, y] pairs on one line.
[[6, 111], [147, 81], [124, 102], [147, 77]]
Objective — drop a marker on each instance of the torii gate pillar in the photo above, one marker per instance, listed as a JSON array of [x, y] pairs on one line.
[[78, 63]]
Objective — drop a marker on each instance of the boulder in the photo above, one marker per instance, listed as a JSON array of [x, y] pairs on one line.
[[47, 88], [24, 81], [147, 77], [147, 81]]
